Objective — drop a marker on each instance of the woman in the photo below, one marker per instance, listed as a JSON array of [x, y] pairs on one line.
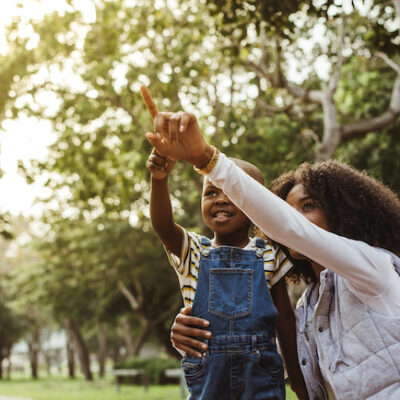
[[346, 226]]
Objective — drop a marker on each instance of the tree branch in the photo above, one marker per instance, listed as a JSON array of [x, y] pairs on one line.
[[397, 7], [271, 110], [388, 61], [127, 293], [166, 313], [334, 81], [310, 134], [139, 291], [359, 128], [386, 118], [278, 80], [314, 96], [260, 70]]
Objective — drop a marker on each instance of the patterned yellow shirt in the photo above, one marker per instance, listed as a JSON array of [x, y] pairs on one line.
[[276, 264]]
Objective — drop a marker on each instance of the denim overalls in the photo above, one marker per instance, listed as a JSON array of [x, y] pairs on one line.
[[242, 361]]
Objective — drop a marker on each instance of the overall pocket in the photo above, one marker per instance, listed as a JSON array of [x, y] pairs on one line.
[[231, 292], [270, 363], [192, 366]]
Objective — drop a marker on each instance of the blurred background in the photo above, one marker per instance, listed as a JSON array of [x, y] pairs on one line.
[[85, 285]]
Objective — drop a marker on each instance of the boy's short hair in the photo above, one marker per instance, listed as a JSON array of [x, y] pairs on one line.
[[250, 169]]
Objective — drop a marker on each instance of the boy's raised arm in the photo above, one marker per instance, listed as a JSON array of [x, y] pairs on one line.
[[170, 234]]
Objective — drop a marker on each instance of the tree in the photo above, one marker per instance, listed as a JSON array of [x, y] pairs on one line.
[[99, 262], [100, 165], [350, 36], [10, 330]]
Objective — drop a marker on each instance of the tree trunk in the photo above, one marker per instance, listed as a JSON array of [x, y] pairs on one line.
[[33, 358], [146, 322], [116, 353], [47, 357], [331, 138], [1, 365], [146, 328], [70, 356], [164, 336], [102, 351], [127, 335], [83, 352], [149, 324], [34, 348], [8, 356]]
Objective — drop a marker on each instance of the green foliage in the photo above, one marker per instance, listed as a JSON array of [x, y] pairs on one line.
[[11, 327], [361, 82], [378, 154], [5, 226], [273, 144], [154, 367], [96, 232], [234, 15]]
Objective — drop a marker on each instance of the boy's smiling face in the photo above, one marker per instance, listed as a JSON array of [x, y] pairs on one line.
[[229, 224]]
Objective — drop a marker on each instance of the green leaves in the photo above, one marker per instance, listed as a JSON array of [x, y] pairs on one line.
[[231, 62]]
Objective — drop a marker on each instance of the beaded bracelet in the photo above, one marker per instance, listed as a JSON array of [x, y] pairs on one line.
[[210, 165]]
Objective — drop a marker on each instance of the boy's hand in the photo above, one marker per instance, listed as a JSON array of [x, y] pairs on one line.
[[159, 166], [176, 136]]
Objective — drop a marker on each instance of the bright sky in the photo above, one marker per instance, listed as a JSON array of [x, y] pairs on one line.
[[24, 139], [27, 138]]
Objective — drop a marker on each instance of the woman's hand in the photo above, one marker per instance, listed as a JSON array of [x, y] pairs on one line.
[[177, 136], [184, 332]]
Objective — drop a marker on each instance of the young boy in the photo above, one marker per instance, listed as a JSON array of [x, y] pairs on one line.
[[226, 280]]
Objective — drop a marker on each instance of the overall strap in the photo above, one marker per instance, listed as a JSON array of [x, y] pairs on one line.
[[260, 244], [205, 241]]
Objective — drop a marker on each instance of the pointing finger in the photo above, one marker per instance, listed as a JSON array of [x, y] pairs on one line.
[[148, 100]]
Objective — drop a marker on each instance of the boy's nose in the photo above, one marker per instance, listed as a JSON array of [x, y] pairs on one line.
[[221, 199]]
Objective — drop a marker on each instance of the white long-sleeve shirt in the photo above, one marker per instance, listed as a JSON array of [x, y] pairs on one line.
[[369, 271]]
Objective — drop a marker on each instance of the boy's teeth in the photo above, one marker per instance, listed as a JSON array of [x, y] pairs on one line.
[[223, 213]]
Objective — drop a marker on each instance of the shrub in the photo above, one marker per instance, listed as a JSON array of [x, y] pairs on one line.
[[154, 367]]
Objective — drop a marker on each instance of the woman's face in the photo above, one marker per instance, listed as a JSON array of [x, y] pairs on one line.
[[303, 203]]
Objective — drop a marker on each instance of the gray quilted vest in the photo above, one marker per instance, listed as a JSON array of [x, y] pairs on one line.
[[359, 347]]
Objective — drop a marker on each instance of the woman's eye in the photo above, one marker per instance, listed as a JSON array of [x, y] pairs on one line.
[[308, 206]]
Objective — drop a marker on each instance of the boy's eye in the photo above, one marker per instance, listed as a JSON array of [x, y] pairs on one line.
[[211, 193]]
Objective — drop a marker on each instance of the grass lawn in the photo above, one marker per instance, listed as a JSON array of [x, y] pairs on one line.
[[57, 388]]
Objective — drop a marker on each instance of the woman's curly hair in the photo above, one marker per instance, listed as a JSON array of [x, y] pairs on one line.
[[356, 205]]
